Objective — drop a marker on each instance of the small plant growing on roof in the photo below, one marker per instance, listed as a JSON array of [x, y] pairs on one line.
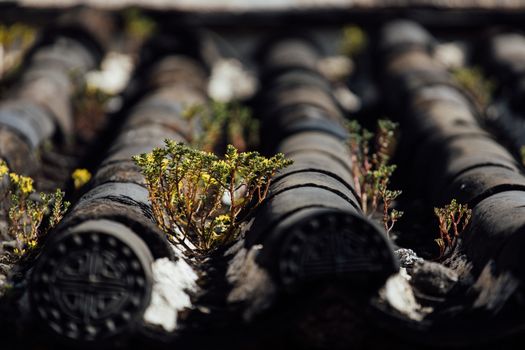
[[15, 39], [522, 155], [25, 213], [80, 177], [89, 106], [453, 218], [195, 195], [472, 80], [370, 169], [230, 120], [138, 27], [354, 40]]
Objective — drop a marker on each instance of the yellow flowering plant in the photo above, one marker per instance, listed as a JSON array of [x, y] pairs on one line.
[[200, 197], [15, 40], [25, 212], [80, 177], [4, 169]]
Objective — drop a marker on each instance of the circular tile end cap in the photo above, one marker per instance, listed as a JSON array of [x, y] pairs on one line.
[[92, 283], [337, 246]]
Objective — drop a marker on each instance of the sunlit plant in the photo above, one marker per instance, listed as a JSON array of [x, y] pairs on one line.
[[29, 215], [473, 81], [80, 177], [15, 39], [379, 190], [89, 107], [222, 120], [198, 197], [370, 169], [354, 40], [453, 218], [138, 27]]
